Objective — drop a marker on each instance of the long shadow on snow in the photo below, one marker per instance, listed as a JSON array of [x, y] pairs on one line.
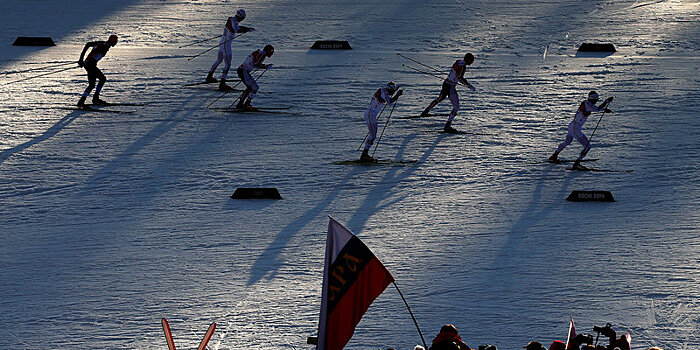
[[383, 189], [269, 261], [534, 214], [49, 133]]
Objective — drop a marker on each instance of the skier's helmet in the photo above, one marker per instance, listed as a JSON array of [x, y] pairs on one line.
[[391, 87], [269, 50], [240, 13], [113, 39], [469, 58], [593, 97]]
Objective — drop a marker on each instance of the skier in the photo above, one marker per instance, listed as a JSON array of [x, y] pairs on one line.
[[448, 339], [380, 98], [99, 50], [584, 110], [449, 90], [254, 60], [231, 29]]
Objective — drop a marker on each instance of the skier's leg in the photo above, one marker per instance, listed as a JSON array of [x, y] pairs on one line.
[[583, 140], [103, 79], [92, 76], [227, 60], [253, 87], [444, 92], [372, 126], [219, 58], [371, 120], [454, 99]]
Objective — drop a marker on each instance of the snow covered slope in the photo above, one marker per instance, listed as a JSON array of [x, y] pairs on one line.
[[109, 222]]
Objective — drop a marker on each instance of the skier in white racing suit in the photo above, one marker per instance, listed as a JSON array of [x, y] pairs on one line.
[[231, 29], [99, 50], [253, 61], [383, 96], [574, 131], [449, 89]]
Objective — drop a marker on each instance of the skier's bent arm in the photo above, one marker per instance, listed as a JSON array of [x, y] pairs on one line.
[[81, 61]]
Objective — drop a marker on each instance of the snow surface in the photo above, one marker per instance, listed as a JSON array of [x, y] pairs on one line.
[[112, 221]]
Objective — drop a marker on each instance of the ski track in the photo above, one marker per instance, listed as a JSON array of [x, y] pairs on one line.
[[111, 221]]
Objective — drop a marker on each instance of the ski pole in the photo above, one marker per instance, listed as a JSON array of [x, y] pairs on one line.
[[596, 128], [41, 68], [366, 136], [422, 71], [41, 75], [226, 92], [212, 48], [422, 64], [433, 75], [200, 41], [385, 125], [239, 96]]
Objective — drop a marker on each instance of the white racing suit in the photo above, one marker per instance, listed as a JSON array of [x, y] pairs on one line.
[[230, 31], [584, 111], [379, 100]]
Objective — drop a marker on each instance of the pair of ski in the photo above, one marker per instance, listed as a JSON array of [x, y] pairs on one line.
[[377, 162], [98, 107], [198, 85], [268, 110], [568, 161], [171, 343]]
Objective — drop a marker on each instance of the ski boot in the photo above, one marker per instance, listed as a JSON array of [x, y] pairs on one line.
[[365, 157], [425, 113], [223, 86], [553, 158], [98, 102], [81, 102], [448, 129], [248, 107], [210, 78], [577, 165]]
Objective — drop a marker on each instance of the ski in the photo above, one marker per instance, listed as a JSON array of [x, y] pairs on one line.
[[258, 108], [207, 336], [377, 162], [208, 88], [563, 161], [115, 104], [200, 83], [168, 334], [273, 110], [421, 116], [595, 170], [459, 132], [91, 109]]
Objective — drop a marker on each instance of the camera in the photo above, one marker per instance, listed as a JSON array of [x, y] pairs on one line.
[[606, 331], [583, 338]]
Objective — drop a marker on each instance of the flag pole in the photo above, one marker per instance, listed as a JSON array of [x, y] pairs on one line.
[[410, 312]]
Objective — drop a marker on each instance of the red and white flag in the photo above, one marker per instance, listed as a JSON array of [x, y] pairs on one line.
[[572, 334], [352, 278]]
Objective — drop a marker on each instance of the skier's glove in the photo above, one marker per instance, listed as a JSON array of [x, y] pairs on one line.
[[400, 92], [608, 111], [610, 99], [81, 63], [471, 87]]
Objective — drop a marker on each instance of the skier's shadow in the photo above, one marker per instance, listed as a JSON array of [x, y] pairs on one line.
[[533, 215], [269, 261], [49, 133], [380, 196]]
